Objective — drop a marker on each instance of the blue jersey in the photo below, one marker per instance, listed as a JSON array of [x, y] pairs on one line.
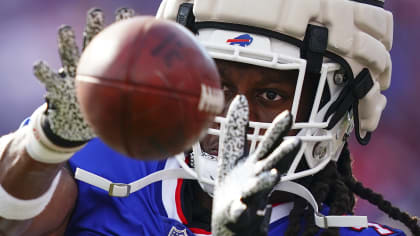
[[158, 209]]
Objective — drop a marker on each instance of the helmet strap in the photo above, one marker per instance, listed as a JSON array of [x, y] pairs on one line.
[[349, 98], [186, 16], [314, 47]]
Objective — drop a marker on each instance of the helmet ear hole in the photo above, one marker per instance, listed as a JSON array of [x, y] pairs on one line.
[[317, 152]]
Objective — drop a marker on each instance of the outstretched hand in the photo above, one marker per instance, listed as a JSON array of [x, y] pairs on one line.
[[240, 203], [63, 117]]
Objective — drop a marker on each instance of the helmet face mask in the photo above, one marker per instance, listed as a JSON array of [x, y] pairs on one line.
[[319, 145]]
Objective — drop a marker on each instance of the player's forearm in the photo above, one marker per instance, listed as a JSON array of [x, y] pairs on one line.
[[20, 175]]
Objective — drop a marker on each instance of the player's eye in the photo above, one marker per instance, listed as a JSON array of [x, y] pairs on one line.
[[270, 95]]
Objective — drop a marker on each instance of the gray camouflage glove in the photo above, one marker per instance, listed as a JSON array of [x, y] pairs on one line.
[[63, 123], [240, 203]]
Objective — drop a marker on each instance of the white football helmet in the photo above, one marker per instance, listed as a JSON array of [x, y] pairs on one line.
[[345, 43]]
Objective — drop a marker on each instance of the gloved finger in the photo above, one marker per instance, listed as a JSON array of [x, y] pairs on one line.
[[273, 136], [68, 50], [46, 75], [263, 182], [124, 13], [281, 158], [94, 24], [233, 135], [236, 209]]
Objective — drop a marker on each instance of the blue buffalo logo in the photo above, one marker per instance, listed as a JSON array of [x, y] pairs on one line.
[[243, 40]]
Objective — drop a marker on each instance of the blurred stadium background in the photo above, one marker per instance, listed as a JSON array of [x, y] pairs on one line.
[[390, 164]]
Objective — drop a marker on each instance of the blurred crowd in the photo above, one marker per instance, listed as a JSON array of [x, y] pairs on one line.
[[389, 164]]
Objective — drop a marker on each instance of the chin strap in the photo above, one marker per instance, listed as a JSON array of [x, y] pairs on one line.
[[321, 220], [123, 189]]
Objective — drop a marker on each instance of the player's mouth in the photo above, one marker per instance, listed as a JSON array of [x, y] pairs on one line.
[[210, 145]]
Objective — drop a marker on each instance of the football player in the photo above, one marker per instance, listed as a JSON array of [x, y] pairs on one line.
[[298, 77]]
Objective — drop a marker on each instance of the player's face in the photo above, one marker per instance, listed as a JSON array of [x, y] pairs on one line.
[[268, 91]]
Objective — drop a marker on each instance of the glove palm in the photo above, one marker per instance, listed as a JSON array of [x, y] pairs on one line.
[[63, 122], [240, 204]]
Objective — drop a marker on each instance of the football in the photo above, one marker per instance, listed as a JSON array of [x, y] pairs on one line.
[[147, 88]]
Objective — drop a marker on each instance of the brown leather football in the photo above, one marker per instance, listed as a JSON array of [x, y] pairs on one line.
[[147, 88]]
